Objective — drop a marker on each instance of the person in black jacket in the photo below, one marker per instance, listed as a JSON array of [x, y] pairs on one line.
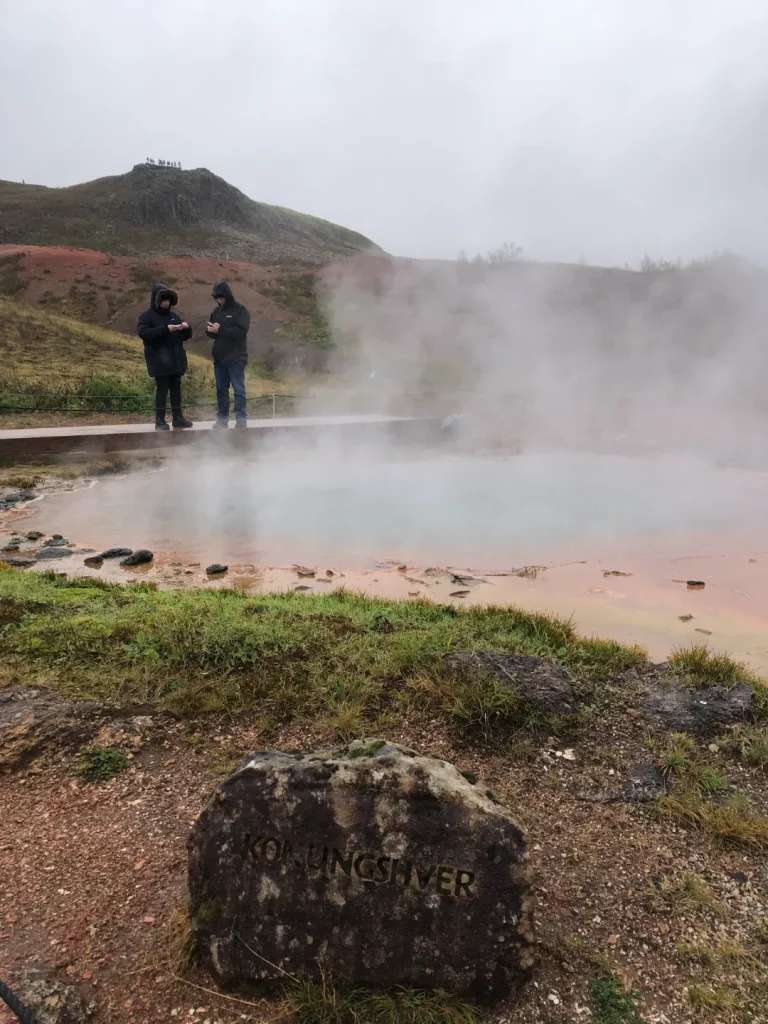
[[228, 327], [164, 332]]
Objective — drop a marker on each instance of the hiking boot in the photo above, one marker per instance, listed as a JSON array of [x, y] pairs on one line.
[[241, 424], [221, 424], [160, 423], [180, 422]]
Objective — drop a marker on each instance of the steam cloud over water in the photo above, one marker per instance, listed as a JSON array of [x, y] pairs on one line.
[[544, 354]]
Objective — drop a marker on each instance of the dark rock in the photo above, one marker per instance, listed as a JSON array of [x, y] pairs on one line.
[[543, 684], [140, 557], [739, 877], [54, 552], [33, 720], [51, 1001], [644, 782], [11, 546], [34, 535], [116, 553], [56, 541], [19, 563], [94, 562], [11, 498], [377, 865], [705, 711], [216, 569]]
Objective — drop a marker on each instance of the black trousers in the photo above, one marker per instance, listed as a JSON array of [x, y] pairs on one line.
[[169, 384]]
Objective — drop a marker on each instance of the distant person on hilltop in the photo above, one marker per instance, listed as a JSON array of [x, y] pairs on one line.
[[228, 327], [164, 332]]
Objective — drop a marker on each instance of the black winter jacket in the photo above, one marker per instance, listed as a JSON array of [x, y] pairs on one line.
[[230, 345], [163, 349]]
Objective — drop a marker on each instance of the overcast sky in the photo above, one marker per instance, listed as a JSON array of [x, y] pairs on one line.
[[580, 129]]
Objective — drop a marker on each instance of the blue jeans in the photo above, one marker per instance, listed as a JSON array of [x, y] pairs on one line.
[[226, 374]]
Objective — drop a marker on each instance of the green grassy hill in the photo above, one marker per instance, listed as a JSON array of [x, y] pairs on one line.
[[49, 350], [161, 210], [57, 369]]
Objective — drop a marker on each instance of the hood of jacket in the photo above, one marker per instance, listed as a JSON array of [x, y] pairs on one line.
[[221, 290], [162, 291]]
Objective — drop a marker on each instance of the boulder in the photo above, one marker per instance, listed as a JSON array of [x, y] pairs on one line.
[[49, 1000], [542, 683], [116, 553], [33, 720], [704, 711], [44, 554], [370, 864], [140, 557]]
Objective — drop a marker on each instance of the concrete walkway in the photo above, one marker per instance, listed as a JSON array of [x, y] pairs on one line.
[[37, 441]]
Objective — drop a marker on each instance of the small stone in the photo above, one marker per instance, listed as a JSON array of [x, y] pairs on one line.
[[644, 783], [34, 535], [116, 553], [695, 584], [685, 618], [56, 541], [19, 563], [148, 919], [216, 569], [140, 557], [94, 562]]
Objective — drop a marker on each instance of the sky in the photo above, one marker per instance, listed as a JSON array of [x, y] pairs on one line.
[[581, 130]]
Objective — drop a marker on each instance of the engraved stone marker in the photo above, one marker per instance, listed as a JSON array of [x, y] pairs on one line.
[[373, 864]]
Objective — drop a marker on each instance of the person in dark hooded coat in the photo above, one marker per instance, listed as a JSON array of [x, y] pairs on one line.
[[228, 327], [164, 332]]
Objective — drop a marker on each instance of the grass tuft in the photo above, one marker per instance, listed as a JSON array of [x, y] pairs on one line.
[[322, 1003], [611, 1003], [733, 822], [749, 743]]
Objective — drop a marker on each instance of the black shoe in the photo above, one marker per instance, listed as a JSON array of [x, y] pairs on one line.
[[180, 422], [160, 423], [241, 424], [221, 424]]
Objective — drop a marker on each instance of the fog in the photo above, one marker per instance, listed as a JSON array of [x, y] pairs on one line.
[[530, 355], [579, 129]]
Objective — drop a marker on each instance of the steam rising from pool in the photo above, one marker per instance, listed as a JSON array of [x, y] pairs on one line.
[[341, 508]]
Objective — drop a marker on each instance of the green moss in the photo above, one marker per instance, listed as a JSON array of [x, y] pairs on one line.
[[100, 764]]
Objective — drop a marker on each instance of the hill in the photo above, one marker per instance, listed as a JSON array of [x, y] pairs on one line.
[[42, 347], [287, 326], [56, 367], [162, 210]]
